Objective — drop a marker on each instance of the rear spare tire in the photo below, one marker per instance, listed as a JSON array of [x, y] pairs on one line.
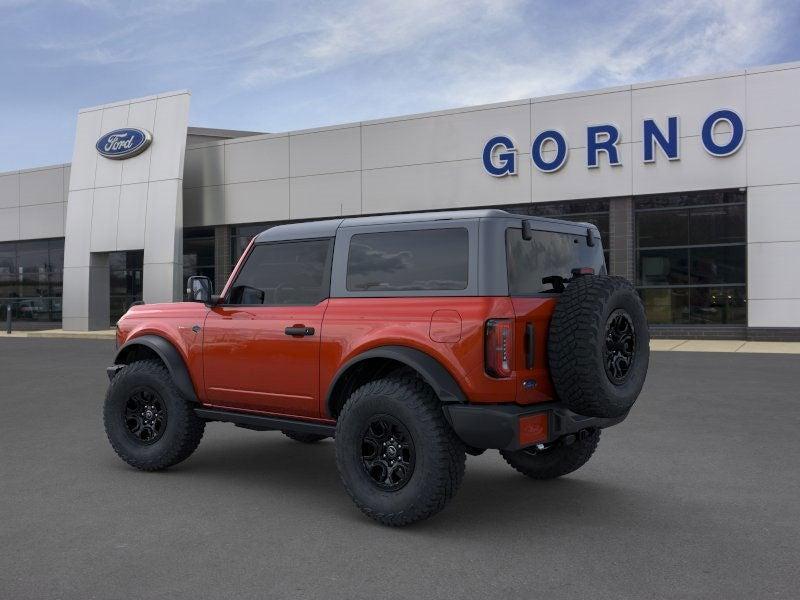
[[599, 346]]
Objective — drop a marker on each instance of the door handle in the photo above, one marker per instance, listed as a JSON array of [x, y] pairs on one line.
[[299, 331]]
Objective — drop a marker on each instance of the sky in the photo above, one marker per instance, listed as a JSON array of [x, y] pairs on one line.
[[279, 66]]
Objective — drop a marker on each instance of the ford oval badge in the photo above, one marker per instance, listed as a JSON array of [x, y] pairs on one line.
[[123, 143]]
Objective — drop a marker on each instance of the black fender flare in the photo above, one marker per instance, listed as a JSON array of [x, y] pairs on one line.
[[430, 369], [169, 355]]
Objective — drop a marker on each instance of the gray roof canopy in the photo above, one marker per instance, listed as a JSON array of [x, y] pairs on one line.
[[328, 228]]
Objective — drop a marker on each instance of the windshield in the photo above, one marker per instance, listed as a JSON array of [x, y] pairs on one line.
[[548, 254]]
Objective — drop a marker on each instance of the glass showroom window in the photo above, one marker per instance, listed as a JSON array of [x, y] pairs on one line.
[[691, 257], [126, 281], [198, 252], [31, 276], [584, 211]]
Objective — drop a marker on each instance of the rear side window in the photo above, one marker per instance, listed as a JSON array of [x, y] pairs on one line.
[[426, 259], [547, 254], [284, 273]]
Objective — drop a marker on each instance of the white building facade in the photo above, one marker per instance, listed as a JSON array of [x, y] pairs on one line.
[[694, 184]]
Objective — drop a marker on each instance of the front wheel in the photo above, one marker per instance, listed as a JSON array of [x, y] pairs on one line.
[[150, 425], [556, 459], [398, 458]]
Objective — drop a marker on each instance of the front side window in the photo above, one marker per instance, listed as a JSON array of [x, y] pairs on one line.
[[422, 260], [284, 274]]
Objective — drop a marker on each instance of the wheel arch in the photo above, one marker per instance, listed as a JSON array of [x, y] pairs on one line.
[[154, 346], [383, 358]]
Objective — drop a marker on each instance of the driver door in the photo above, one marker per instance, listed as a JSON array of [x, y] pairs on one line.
[[261, 344]]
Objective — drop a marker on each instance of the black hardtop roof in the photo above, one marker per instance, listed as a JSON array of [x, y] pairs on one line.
[[328, 227]]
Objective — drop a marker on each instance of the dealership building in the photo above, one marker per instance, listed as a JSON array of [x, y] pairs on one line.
[[694, 184]]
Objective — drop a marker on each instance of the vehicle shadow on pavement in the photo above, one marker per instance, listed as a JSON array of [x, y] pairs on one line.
[[507, 501], [492, 496]]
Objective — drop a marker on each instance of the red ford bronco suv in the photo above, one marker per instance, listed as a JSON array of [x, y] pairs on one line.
[[411, 339]]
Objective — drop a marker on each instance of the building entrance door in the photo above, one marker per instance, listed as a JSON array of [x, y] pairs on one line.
[[125, 269]]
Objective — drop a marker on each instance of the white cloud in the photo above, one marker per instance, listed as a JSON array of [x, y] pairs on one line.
[[457, 53], [328, 38], [470, 51], [286, 65], [674, 40], [416, 54]]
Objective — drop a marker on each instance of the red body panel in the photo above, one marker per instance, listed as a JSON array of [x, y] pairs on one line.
[[241, 358], [354, 325], [538, 312], [174, 323], [250, 362]]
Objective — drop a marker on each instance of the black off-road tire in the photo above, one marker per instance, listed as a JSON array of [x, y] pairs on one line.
[[578, 347], [555, 461], [438, 455], [305, 438], [183, 429]]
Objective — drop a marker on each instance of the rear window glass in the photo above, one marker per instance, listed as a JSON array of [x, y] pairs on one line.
[[427, 259], [548, 253]]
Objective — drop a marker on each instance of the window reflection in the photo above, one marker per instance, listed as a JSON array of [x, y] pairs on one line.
[[31, 275], [691, 257], [284, 273], [125, 270], [427, 259], [198, 252], [595, 212]]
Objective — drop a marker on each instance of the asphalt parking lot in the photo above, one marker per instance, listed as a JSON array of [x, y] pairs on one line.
[[694, 496]]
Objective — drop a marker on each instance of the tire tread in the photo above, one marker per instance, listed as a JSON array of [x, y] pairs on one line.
[[448, 450], [563, 460], [191, 427], [576, 330]]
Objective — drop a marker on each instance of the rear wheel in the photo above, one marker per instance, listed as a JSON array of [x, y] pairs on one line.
[[150, 425], [556, 459], [305, 438], [398, 458]]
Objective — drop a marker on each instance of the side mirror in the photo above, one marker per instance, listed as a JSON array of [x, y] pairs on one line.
[[199, 289]]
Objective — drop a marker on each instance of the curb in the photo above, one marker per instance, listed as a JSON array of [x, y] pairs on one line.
[[109, 334], [725, 346]]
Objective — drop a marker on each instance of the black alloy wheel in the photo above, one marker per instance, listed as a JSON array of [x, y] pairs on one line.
[[620, 350], [397, 456], [148, 421], [145, 416], [387, 453]]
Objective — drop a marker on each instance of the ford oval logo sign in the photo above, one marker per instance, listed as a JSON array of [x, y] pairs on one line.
[[123, 143]]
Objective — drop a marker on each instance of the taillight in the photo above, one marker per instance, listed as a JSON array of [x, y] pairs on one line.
[[499, 347]]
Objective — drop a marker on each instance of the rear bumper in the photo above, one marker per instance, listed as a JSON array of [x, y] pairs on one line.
[[498, 425]]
